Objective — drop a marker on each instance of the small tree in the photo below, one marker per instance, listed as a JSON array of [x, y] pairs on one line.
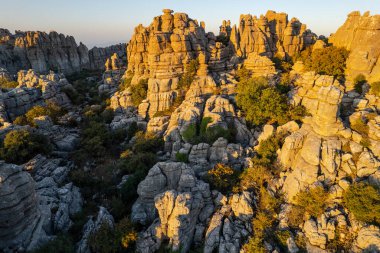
[[139, 91], [261, 102], [313, 201], [328, 61], [363, 201], [222, 177], [21, 145], [359, 81]]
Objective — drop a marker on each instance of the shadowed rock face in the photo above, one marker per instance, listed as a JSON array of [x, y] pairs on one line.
[[18, 206], [360, 34]]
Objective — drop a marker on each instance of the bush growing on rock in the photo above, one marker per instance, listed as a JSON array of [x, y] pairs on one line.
[[359, 81], [222, 177], [7, 84], [139, 91], [253, 178], [189, 75], [260, 102], [265, 104], [195, 134], [21, 145], [375, 89], [327, 61], [147, 142], [108, 239], [313, 201], [363, 201], [51, 109], [181, 157], [60, 244]]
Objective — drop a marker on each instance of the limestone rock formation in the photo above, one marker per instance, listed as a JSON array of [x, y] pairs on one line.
[[360, 35], [42, 52], [181, 201], [19, 213], [270, 35], [34, 90], [98, 56]]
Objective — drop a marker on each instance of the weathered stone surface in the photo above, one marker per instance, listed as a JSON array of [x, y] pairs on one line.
[[368, 239], [42, 52], [181, 200], [360, 34], [19, 212], [271, 34]]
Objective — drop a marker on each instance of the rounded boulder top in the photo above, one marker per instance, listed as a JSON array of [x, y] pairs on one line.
[[167, 11]]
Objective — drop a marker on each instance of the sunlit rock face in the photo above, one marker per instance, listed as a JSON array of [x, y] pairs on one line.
[[360, 34], [42, 52], [271, 34]]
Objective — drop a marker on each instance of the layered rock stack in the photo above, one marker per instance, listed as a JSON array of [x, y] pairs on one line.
[[98, 56], [42, 52], [270, 35], [360, 35], [18, 207], [162, 51]]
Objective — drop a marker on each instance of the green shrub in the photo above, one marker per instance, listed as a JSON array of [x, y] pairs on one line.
[[281, 64], [281, 238], [189, 75], [222, 177], [359, 81], [107, 239], [313, 201], [253, 178], [181, 157], [375, 89], [328, 61], [60, 244], [267, 152], [21, 145], [51, 109], [261, 103], [190, 134], [243, 74], [363, 201], [7, 84], [138, 162], [139, 91], [125, 83], [147, 142]]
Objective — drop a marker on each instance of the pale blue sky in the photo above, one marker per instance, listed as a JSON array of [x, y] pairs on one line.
[[105, 22]]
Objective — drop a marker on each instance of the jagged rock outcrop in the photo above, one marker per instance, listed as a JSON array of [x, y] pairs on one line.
[[42, 52], [98, 56], [321, 153], [188, 213], [270, 35], [34, 90], [180, 200], [360, 35]]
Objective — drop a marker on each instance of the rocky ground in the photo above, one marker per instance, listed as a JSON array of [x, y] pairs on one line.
[[160, 155]]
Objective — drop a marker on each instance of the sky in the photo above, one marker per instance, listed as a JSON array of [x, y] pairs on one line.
[[107, 22]]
